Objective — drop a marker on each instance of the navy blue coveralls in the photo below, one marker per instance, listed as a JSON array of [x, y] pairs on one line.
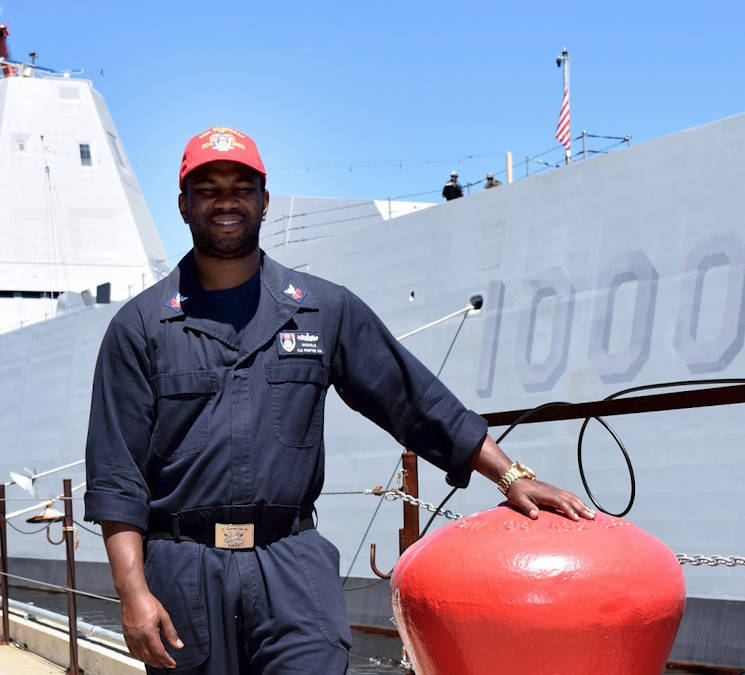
[[188, 419]]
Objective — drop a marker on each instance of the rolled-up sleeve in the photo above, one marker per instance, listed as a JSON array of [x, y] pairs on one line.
[[120, 425], [375, 375]]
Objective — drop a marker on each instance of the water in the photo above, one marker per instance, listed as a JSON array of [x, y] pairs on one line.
[[365, 646]]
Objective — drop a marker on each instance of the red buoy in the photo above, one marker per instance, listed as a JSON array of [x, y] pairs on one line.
[[496, 592]]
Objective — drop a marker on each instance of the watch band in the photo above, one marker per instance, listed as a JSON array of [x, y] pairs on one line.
[[515, 471]]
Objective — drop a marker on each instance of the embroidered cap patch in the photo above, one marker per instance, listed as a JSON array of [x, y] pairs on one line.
[[299, 342]]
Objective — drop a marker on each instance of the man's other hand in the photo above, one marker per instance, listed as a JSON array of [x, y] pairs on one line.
[[144, 620]]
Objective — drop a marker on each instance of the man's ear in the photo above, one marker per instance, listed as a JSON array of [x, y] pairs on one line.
[[266, 204], [182, 206]]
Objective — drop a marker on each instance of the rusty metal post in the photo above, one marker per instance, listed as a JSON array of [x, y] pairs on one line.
[[409, 533], [4, 569], [72, 614]]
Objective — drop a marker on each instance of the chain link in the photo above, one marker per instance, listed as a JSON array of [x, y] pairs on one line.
[[403, 664], [697, 559], [712, 561], [392, 495]]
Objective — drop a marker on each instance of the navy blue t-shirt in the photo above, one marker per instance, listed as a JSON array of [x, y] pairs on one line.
[[235, 306]]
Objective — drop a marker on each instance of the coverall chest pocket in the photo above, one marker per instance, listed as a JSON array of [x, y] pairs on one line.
[[184, 405], [298, 389]]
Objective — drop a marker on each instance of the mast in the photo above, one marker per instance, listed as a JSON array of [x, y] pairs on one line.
[[563, 133]]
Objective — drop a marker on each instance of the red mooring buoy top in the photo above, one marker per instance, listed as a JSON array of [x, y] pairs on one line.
[[497, 593]]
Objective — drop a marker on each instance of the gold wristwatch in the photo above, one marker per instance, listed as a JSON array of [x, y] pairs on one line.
[[515, 471]]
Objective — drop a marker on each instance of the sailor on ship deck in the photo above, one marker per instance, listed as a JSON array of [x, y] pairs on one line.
[[205, 444], [452, 189]]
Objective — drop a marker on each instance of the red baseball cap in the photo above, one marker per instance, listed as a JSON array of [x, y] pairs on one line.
[[220, 143]]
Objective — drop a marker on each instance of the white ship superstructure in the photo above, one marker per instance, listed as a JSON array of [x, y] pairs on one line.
[[73, 216], [76, 240]]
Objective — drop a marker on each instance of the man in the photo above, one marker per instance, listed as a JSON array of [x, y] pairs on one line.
[[452, 189], [206, 438], [491, 182]]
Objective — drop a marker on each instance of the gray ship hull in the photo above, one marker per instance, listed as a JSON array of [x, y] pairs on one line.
[[622, 270]]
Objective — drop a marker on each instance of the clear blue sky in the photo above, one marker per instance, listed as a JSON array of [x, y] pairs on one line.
[[337, 94]]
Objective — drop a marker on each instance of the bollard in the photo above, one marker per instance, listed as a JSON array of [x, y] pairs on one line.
[[72, 616], [497, 593], [4, 568]]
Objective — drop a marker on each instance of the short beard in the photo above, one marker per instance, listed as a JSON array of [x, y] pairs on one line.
[[241, 247]]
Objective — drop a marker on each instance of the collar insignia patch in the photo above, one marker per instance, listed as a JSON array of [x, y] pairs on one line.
[[175, 302], [294, 293]]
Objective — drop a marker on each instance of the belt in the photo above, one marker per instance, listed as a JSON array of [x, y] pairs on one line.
[[237, 526]]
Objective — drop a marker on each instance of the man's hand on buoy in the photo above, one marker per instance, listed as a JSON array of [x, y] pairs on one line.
[[525, 494]]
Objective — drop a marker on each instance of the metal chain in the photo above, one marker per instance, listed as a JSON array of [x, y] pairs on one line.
[[403, 664], [712, 561], [392, 495], [696, 559]]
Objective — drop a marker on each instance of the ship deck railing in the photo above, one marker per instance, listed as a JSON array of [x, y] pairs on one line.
[[334, 220]]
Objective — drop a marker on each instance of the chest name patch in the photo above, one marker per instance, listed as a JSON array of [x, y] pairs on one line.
[[300, 343]]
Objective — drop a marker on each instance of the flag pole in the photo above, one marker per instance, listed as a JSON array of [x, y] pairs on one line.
[[563, 60]]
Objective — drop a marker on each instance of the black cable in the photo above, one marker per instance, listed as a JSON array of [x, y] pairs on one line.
[[452, 342], [519, 420], [626, 457], [369, 525], [87, 529], [623, 392], [360, 588], [18, 529], [452, 492], [622, 448], [390, 480], [681, 383], [525, 415], [436, 512]]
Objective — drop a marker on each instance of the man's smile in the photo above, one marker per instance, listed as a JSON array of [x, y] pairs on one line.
[[227, 221]]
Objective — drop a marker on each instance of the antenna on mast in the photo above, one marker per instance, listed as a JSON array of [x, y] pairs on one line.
[[563, 132]]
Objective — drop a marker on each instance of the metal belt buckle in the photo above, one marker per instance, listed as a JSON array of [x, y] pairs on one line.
[[234, 536]]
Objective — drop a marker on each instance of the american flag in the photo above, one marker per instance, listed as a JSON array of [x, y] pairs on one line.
[[563, 134]]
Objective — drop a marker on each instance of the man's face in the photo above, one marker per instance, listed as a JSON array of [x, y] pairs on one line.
[[224, 203]]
